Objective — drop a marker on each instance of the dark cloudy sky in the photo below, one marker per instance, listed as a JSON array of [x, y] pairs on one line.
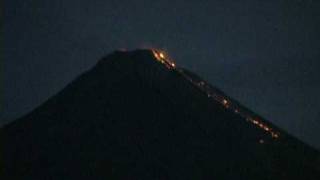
[[266, 53]]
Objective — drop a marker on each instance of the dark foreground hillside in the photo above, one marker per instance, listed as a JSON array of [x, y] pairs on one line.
[[135, 117]]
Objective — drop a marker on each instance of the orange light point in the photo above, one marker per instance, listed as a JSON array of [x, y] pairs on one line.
[[161, 55]]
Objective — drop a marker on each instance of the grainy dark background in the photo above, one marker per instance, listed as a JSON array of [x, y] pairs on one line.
[[263, 53]]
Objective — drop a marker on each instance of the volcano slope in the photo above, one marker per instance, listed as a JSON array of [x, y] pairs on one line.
[[135, 115]]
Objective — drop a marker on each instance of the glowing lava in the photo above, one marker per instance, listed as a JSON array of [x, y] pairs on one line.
[[161, 57]]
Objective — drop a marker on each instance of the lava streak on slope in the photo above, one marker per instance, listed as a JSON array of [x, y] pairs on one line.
[[226, 102], [161, 57]]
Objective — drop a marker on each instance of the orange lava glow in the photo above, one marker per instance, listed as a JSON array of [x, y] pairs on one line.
[[161, 57], [168, 63]]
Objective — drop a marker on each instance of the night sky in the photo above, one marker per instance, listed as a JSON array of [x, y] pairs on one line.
[[264, 54]]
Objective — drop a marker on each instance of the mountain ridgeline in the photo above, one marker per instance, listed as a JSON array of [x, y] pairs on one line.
[[136, 115]]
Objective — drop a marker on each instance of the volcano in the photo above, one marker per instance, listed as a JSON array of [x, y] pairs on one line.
[[137, 115]]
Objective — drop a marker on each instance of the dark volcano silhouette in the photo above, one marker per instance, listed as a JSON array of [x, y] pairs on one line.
[[135, 115]]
